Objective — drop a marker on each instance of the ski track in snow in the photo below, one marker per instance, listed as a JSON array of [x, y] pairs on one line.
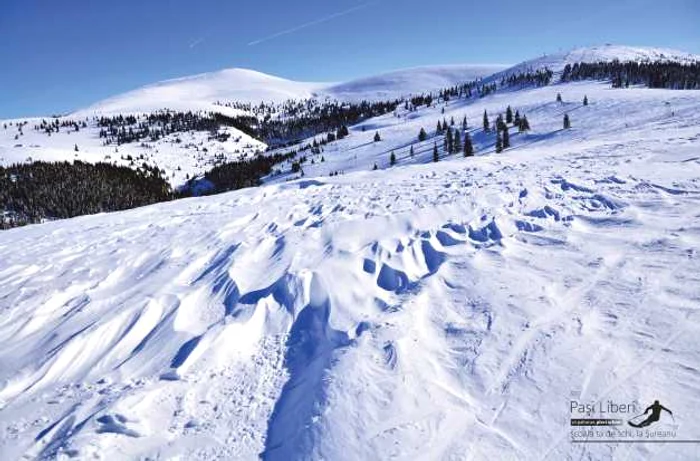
[[437, 311]]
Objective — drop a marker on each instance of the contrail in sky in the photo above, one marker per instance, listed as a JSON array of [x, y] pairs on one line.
[[196, 42], [309, 24]]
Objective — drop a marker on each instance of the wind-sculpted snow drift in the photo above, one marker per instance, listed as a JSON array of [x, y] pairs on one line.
[[434, 311]]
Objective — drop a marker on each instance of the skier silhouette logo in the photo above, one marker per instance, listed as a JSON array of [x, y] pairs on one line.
[[655, 415]]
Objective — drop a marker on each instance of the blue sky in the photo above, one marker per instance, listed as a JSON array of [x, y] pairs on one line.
[[59, 56]]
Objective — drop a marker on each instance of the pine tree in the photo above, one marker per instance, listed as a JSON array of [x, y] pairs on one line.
[[499, 143], [509, 115], [377, 138], [422, 136], [375, 167], [558, 97], [506, 138], [468, 148], [342, 132], [76, 148], [486, 122], [516, 119], [411, 151], [436, 157], [500, 125], [567, 122], [524, 124], [439, 128], [464, 123], [585, 100], [452, 121], [392, 159], [457, 145], [449, 141]]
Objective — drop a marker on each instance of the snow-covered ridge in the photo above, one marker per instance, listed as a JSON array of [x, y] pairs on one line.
[[605, 53], [196, 154], [404, 82], [202, 91]]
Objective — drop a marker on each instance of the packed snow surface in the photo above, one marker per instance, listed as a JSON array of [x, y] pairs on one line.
[[434, 311]]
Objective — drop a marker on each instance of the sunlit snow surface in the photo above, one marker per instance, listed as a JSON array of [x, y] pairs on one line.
[[431, 311]]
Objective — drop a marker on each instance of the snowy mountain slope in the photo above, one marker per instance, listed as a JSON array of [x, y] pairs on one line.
[[605, 53], [609, 112], [401, 83], [180, 155], [195, 153], [201, 92], [434, 311]]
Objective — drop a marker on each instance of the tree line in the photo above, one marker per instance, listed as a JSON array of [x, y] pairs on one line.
[[31, 193], [243, 173], [658, 74]]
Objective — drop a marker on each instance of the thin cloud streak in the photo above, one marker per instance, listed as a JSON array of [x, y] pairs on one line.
[[309, 24], [196, 42]]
